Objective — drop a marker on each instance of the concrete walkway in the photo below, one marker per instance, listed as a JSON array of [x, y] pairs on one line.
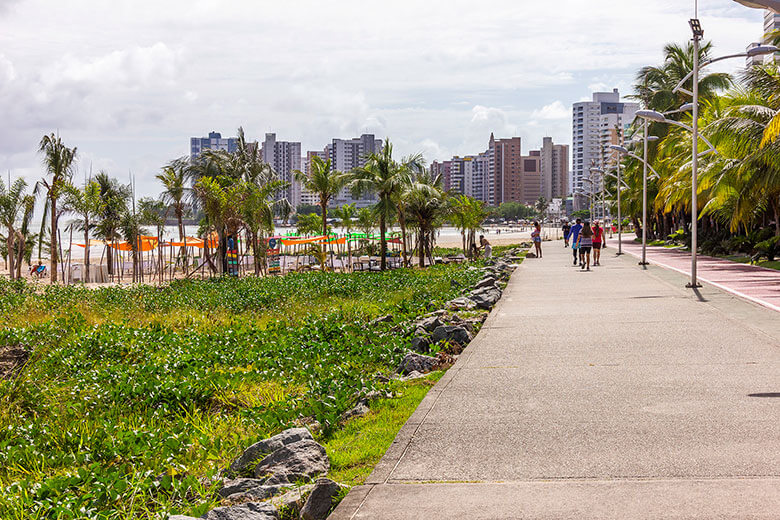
[[610, 394], [752, 282]]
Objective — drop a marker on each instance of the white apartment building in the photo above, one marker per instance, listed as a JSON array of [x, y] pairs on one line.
[[284, 157], [346, 155], [214, 141], [771, 26], [595, 125]]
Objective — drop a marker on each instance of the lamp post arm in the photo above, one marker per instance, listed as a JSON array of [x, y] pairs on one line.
[[630, 154], [690, 129], [679, 88]]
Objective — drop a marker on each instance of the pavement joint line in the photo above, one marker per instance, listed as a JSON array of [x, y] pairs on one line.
[[553, 480], [722, 287]]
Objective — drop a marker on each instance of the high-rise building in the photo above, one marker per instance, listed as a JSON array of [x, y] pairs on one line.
[[346, 155], [555, 169], [214, 141], [309, 198], [503, 174], [595, 125], [284, 157], [771, 28]]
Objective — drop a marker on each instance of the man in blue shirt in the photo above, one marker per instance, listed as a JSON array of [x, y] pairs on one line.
[[573, 235]]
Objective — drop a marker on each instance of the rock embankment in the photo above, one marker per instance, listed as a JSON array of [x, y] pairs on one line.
[[284, 473]]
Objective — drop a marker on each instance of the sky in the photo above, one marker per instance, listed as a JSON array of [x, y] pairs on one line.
[[128, 83]]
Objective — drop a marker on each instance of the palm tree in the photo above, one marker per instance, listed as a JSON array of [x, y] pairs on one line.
[[346, 215], [176, 193], [425, 204], [366, 220], [467, 214], [115, 197], [541, 206], [58, 160], [87, 203], [386, 178], [325, 182], [12, 203], [257, 208]]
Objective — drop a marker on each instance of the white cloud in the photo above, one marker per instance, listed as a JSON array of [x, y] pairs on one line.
[[554, 110], [130, 82]]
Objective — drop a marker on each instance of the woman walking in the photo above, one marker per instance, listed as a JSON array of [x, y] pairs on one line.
[[585, 241], [599, 241], [536, 236]]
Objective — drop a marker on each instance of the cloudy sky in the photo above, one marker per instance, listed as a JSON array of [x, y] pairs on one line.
[[129, 83]]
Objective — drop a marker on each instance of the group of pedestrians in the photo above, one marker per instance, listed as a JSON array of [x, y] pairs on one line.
[[584, 238]]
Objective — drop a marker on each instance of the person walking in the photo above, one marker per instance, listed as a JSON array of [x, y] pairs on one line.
[[484, 243], [599, 241], [566, 228], [574, 235], [536, 236], [585, 240]]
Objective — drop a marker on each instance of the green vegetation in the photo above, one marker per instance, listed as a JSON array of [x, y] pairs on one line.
[[132, 399]]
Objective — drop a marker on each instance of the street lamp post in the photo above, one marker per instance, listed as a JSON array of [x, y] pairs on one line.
[[652, 115], [619, 149]]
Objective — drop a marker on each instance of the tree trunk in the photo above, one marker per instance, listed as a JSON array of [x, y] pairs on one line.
[[421, 252], [20, 245], [86, 249], [402, 223], [53, 244], [10, 246], [382, 243], [776, 209]]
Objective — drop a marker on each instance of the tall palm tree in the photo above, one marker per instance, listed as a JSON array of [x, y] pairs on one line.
[[257, 207], [87, 203], [366, 220], [58, 160], [325, 182], [346, 215], [385, 177], [13, 204], [176, 192], [425, 204], [115, 197], [467, 214]]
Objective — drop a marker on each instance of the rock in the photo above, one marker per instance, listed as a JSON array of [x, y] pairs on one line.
[[240, 485], [452, 334], [487, 281], [413, 361], [530, 255], [300, 460], [387, 318], [412, 375], [293, 499], [360, 409], [460, 304], [485, 298], [260, 449], [320, 500], [248, 511], [421, 344], [429, 324]]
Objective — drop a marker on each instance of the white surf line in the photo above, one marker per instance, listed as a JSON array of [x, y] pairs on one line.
[[753, 299]]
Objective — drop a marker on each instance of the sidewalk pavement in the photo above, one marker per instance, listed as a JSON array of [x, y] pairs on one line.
[[609, 394], [754, 283]]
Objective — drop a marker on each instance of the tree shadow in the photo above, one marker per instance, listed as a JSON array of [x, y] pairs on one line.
[[765, 394]]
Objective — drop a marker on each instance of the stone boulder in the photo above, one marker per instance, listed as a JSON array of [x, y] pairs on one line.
[[422, 344], [460, 304], [452, 334], [428, 324], [488, 281], [248, 511], [293, 499], [413, 361], [412, 376], [241, 485], [257, 451], [300, 460], [485, 298], [359, 410], [321, 499]]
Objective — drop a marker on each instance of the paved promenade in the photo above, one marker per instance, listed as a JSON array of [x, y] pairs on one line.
[[752, 282], [610, 394]]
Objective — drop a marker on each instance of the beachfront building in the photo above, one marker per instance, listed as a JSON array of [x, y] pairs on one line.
[[595, 125], [214, 141], [284, 157], [346, 155], [771, 28], [503, 174]]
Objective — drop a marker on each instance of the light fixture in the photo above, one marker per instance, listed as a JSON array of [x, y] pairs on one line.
[[651, 115], [761, 50], [695, 24]]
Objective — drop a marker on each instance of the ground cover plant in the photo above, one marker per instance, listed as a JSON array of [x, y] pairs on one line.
[[132, 398]]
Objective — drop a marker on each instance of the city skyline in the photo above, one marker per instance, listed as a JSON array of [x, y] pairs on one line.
[[128, 85]]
